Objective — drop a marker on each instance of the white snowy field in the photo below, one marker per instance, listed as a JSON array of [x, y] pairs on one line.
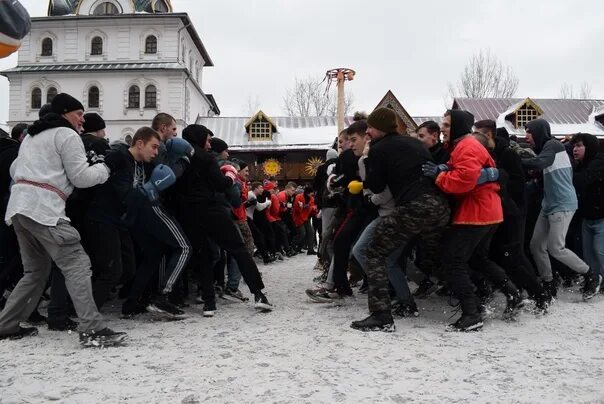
[[306, 352]]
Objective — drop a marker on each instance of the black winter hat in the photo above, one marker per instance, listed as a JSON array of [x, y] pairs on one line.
[[383, 119], [461, 124], [197, 135], [64, 103], [93, 122], [218, 145], [46, 108]]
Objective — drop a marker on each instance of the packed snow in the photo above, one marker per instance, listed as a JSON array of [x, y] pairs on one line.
[[306, 352]]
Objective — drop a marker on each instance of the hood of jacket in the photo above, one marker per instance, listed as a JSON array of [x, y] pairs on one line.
[[48, 121], [540, 131], [461, 124]]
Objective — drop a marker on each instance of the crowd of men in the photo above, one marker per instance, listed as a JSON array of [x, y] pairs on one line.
[[164, 217]]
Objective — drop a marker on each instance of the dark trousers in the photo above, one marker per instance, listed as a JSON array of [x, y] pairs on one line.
[[466, 248], [281, 235], [507, 250], [259, 239], [157, 234], [346, 235], [111, 252], [11, 269], [305, 236], [263, 225]]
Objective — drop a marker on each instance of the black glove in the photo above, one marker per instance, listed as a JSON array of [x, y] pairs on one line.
[[432, 170], [251, 202]]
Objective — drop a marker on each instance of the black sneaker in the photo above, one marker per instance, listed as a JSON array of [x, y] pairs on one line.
[[209, 308], [551, 288], [542, 302], [311, 252], [262, 303], [425, 289], [591, 287], [67, 325], [131, 308], [379, 321], [234, 295], [514, 304], [269, 258], [405, 310], [467, 322], [102, 338], [22, 332], [161, 305], [36, 318], [322, 295]]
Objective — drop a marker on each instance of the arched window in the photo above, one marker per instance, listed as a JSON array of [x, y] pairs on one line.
[[161, 7], [93, 97], [106, 8], [50, 94], [36, 98], [151, 44], [46, 47], [134, 97], [128, 139], [96, 46], [150, 97]]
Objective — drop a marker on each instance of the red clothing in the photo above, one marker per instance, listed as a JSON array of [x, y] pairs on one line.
[[283, 200], [239, 212], [272, 213], [476, 205], [302, 211]]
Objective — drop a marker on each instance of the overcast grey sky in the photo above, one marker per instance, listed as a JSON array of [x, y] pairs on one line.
[[413, 48]]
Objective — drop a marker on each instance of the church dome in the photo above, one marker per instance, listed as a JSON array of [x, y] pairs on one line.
[[107, 7]]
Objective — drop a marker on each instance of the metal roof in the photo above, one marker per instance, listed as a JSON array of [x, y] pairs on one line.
[[421, 119], [555, 111], [75, 67]]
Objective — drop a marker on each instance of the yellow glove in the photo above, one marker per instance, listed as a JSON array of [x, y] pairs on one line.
[[355, 187]]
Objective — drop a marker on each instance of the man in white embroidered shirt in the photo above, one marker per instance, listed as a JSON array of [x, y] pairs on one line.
[[51, 162]]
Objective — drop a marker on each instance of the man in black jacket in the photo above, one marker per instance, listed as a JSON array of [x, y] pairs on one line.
[[429, 133], [422, 211], [588, 180], [201, 191]]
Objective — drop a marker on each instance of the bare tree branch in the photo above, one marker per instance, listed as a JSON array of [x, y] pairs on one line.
[[566, 91], [485, 76], [252, 105], [309, 98], [585, 91]]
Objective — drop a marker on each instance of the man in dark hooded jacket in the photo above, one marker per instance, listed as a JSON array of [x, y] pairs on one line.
[[201, 191], [557, 209], [588, 179]]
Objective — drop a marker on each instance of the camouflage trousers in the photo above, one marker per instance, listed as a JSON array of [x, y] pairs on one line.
[[246, 234], [423, 219]]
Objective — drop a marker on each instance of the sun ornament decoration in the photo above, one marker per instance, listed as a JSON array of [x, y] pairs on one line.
[[312, 164], [271, 167]]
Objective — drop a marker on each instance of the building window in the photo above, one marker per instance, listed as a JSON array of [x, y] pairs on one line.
[[50, 94], [96, 46], [128, 139], [47, 47], [261, 131], [524, 115], [134, 97], [106, 9], [150, 97], [36, 98], [151, 44], [93, 97], [161, 7]]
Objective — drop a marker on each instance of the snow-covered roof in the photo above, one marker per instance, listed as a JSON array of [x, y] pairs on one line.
[[75, 67]]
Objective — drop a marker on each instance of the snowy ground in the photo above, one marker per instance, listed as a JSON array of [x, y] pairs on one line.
[[306, 352]]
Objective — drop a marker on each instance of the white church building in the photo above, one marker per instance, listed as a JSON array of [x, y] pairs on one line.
[[127, 60]]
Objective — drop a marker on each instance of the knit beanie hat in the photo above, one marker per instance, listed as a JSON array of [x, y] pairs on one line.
[[331, 154], [383, 119], [461, 124], [93, 122], [218, 145], [64, 103]]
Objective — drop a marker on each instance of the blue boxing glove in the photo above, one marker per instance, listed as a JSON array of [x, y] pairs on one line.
[[489, 174], [178, 148], [161, 178], [432, 170]]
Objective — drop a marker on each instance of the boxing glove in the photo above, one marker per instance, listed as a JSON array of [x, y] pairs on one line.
[[432, 170], [14, 26], [178, 148], [489, 174], [229, 171], [161, 178]]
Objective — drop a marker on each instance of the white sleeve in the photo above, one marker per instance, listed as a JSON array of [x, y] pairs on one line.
[[73, 156]]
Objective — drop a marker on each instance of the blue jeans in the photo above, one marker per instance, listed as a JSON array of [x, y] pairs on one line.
[[395, 274], [593, 244]]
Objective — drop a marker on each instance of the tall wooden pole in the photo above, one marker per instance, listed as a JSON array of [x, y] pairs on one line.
[[341, 106]]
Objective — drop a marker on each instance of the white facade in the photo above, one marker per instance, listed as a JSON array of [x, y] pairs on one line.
[[175, 69]]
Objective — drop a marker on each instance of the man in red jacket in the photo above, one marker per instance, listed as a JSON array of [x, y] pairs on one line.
[[476, 215], [273, 214]]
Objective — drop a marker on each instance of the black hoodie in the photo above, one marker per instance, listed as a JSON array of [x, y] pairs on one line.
[[48, 121], [461, 124], [508, 160], [588, 180], [9, 149], [541, 133]]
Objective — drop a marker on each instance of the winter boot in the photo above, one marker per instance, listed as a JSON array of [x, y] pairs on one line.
[[467, 322], [425, 289], [591, 286], [261, 303], [514, 300], [378, 321], [20, 333], [102, 338]]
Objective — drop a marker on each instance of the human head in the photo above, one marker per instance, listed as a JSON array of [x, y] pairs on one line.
[[197, 135], [45, 109], [145, 144], [165, 125], [220, 147], [428, 132], [19, 131], [357, 136], [270, 187], [537, 133], [456, 124], [488, 128], [343, 143], [585, 147], [331, 154], [94, 124], [70, 109], [244, 170], [482, 139], [290, 188], [257, 188], [380, 122]]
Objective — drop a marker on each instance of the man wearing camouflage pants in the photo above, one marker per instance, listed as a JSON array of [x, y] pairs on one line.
[[421, 212]]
